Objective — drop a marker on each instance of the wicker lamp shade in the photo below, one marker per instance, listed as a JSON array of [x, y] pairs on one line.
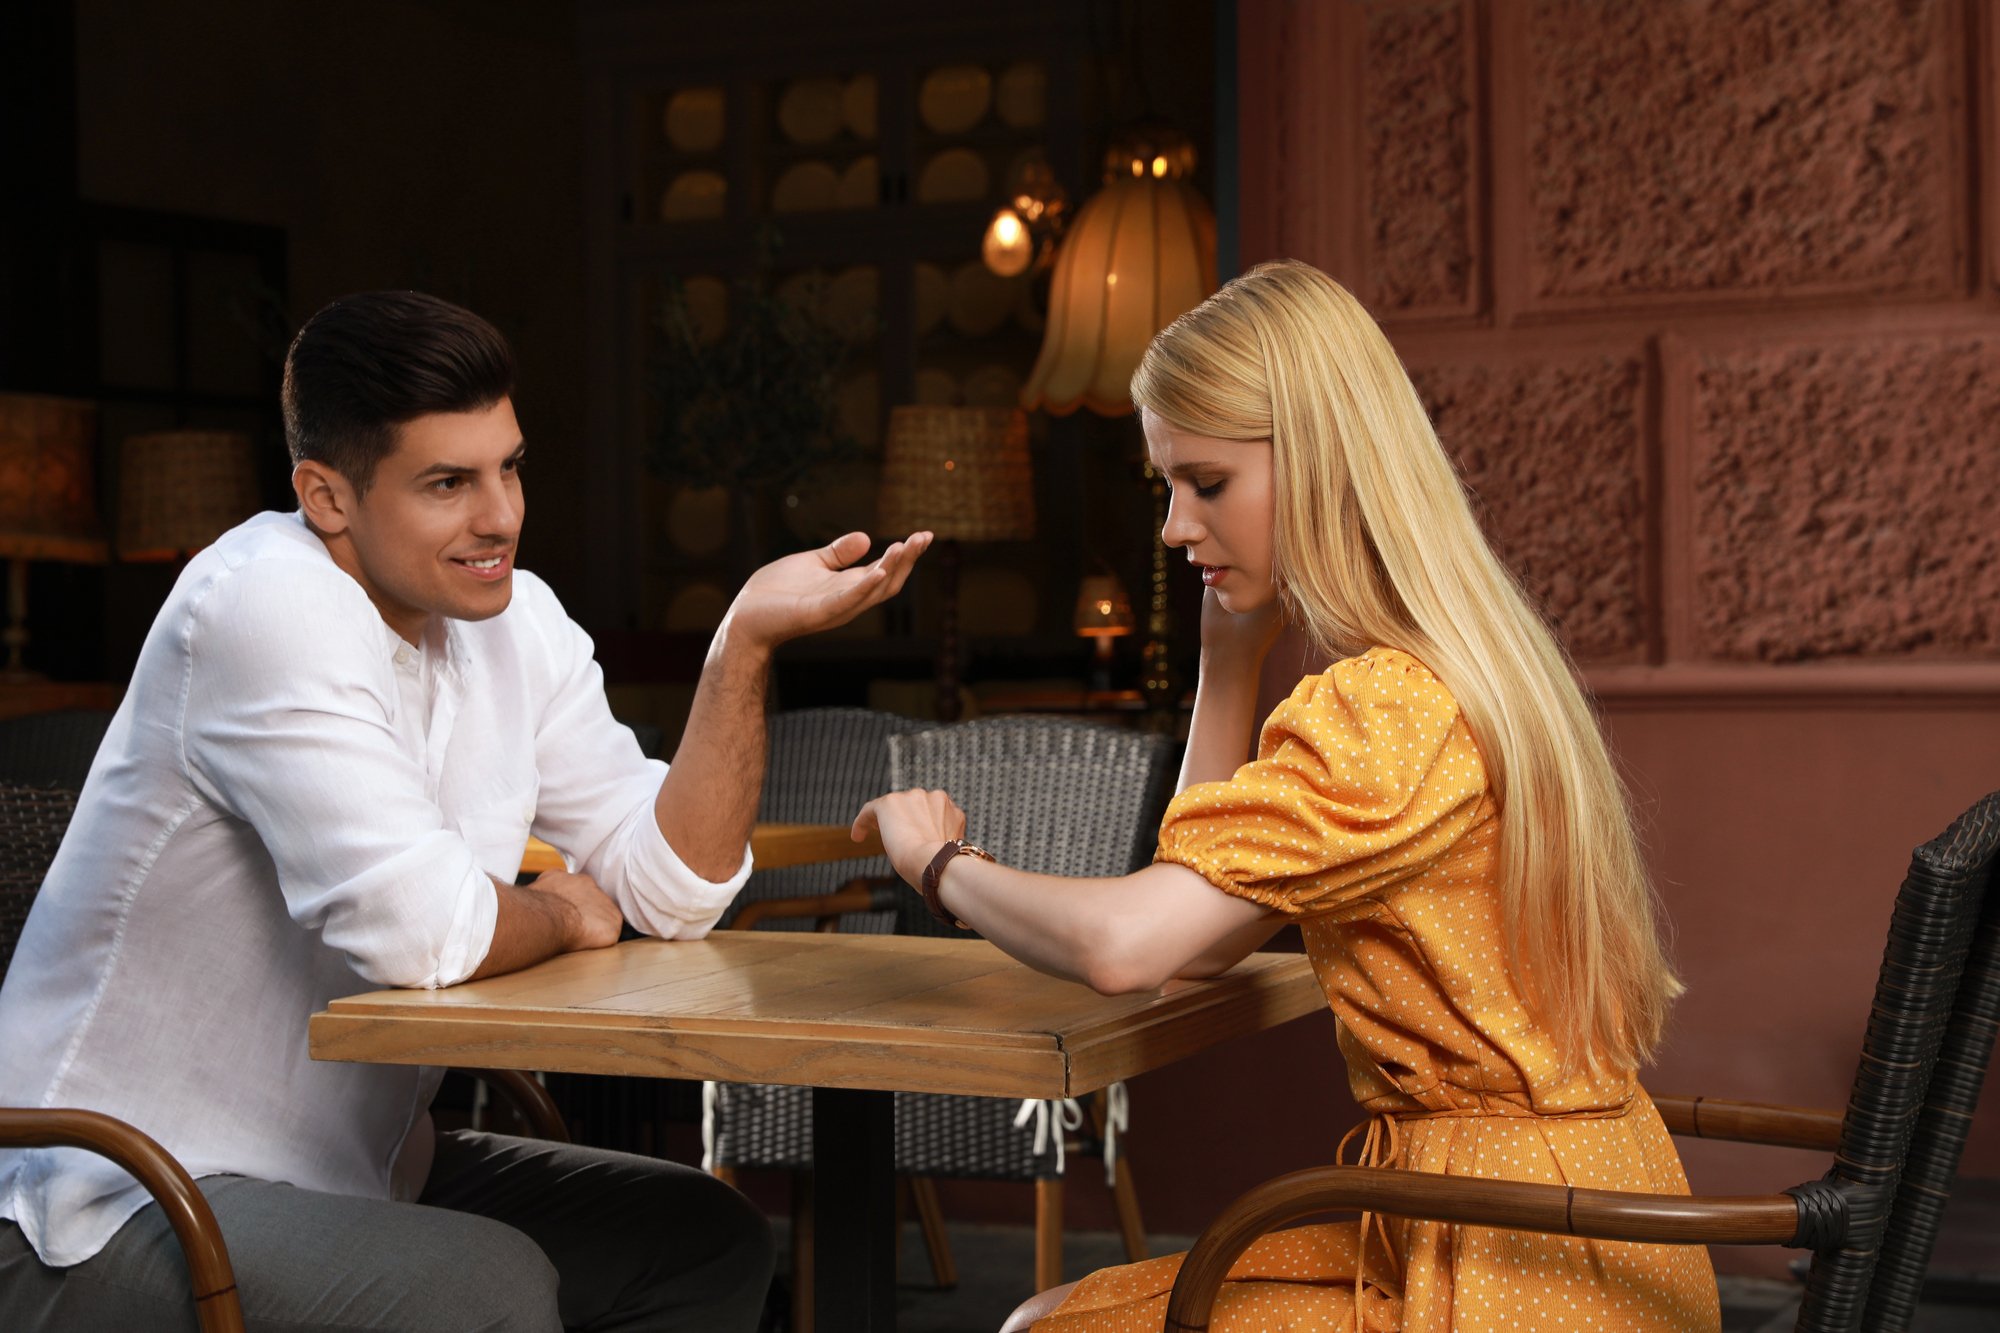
[[181, 489], [1140, 254], [48, 502], [962, 473]]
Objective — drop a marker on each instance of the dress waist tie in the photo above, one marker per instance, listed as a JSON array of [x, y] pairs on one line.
[[1383, 1147]]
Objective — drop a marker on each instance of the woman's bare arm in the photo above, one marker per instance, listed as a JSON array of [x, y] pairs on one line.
[[1132, 933], [1224, 727]]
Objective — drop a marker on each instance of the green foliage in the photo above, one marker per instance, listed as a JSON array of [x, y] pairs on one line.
[[754, 409]]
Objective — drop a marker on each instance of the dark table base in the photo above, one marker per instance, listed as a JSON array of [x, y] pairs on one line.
[[854, 1211]]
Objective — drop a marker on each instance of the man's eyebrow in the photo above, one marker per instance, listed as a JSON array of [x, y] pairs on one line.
[[461, 470]]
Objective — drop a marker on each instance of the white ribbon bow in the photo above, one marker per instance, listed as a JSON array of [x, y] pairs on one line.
[[1050, 1117]]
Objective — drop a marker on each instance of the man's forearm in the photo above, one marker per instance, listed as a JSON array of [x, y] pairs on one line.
[[709, 801], [527, 928]]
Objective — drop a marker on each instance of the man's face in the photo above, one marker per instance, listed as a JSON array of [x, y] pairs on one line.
[[436, 532]]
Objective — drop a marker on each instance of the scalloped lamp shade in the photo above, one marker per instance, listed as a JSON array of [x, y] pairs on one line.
[[181, 489], [48, 502], [1140, 254]]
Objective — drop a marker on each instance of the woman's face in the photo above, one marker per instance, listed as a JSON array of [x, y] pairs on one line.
[[1221, 510]]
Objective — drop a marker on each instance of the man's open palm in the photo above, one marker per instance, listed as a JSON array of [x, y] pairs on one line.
[[816, 590]]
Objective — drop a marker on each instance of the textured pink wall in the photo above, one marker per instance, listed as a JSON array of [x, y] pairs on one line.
[[1699, 297]]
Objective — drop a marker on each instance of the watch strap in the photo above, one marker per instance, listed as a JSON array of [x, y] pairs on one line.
[[933, 872]]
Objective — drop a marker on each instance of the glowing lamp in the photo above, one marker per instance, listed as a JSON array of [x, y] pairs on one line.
[[1103, 613], [1007, 249], [1140, 253]]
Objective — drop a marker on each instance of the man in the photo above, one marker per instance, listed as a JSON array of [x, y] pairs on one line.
[[342, 728]]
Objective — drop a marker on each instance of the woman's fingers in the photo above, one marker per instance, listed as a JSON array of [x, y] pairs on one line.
[[863, 822]]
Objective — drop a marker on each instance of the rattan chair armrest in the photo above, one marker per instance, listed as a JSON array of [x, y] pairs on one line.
[[1552, 1209], [1750, 1122], [525, 1093], [214, 1282], [872, 894]]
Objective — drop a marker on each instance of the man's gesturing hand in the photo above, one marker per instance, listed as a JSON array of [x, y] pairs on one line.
[[816, 590]]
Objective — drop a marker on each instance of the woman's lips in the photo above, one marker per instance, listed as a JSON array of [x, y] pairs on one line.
[[1213, 575]]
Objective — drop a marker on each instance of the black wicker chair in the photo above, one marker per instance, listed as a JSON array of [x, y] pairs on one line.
[[52, 749], [33, 819], [1870, 1222], [1049, 795]]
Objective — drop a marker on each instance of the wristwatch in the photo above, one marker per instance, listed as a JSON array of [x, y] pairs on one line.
[[955, 848]]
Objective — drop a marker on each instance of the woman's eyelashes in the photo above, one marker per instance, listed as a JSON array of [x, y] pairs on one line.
[[1211, 490]]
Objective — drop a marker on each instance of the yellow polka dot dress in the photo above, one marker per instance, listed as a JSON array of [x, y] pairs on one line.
[[1366, 817]]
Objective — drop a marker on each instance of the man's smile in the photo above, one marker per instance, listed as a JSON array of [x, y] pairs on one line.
[[490, 567]]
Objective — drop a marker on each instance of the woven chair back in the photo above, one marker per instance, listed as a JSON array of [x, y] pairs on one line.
[[1930, 1033], [32, 823], [52, 749], [824, 765], [1046, 795]]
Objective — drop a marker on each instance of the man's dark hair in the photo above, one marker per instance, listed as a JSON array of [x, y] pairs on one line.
[[369, 363]]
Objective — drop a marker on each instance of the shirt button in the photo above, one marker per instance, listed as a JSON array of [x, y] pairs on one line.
[[402, 657]]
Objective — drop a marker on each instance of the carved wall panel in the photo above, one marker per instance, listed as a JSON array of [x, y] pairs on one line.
[[1555, 453], [1419, 74], [1843, 501], [1742, 146]]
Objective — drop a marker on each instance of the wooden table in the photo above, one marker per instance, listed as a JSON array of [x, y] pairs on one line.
[[857, 1017], [771, 846]]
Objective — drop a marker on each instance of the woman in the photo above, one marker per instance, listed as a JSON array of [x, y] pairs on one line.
[[1437, 811]]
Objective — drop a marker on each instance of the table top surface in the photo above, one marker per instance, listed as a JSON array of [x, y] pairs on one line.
[[858, 1011]]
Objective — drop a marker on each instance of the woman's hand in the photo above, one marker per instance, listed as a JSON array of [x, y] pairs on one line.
[[1239, 640], [914, 825]]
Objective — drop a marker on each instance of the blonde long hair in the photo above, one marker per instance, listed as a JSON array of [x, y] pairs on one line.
[[1375, 543]]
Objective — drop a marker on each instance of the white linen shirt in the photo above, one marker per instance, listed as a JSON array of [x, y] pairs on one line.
[[275, 820]]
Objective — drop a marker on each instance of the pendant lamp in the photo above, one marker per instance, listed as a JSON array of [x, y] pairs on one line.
[[1139, 254]]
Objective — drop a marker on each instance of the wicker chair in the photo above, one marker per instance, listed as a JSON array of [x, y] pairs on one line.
[[32, 822], [1047, 795], [1870, 1222], [52, 749]]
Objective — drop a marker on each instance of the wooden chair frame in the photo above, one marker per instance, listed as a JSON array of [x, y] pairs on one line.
[[217, 1305], [1768, 1219]]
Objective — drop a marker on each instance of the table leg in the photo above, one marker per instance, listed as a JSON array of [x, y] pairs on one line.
[[854, 1211]]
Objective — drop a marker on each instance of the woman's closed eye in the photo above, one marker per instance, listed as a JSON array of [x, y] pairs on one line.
[[1213, 489]]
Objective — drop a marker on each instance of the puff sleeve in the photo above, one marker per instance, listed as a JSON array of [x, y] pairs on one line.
[[1364, 777]]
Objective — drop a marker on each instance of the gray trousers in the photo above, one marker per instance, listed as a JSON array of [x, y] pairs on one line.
[[510, 1234]]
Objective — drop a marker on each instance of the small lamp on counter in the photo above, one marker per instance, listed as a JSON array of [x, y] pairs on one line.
[[1103, 613], [48, 502], [181, 489], [963, 474]]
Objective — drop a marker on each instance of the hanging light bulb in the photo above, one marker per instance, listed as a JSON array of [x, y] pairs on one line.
[[1023, 233], [1007, 249], [1140, 252]]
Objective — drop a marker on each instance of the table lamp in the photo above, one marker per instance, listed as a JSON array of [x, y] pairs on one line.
[[964, 474], [48, 504], [1103, 613], [181, 489]]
